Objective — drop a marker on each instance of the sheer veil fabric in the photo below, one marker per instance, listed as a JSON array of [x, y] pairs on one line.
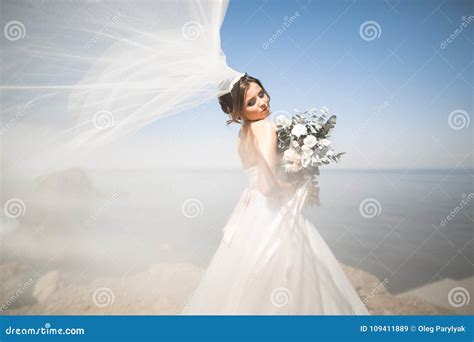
[[90, 73]]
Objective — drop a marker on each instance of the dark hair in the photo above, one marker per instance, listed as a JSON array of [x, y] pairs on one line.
[[232, 103]]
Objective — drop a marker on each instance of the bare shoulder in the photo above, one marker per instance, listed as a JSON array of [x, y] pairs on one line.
[[264, 128]]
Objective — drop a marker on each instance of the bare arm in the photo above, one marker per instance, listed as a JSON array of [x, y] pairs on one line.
[[267, 159]]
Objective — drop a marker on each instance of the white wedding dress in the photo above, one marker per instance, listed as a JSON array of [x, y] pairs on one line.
[[271, 260]]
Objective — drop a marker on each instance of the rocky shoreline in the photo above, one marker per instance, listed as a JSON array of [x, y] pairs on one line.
[[132, 294]]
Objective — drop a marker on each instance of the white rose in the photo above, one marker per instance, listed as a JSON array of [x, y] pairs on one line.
[[292, 167], [310, 141], [283, 121], [290, 155], [306, 149], [325, 142], [299, 130]]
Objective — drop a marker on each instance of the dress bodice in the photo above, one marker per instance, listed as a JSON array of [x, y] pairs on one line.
[[252, 176]]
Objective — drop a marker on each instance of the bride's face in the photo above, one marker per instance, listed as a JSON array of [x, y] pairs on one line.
[[256, 104]]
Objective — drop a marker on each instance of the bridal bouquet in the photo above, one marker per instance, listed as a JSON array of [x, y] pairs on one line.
[[304, 146]]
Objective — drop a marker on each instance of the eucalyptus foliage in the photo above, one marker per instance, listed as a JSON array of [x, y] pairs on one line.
[[304, 145]]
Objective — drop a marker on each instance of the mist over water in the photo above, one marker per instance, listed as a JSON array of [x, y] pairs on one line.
[[91, 223]]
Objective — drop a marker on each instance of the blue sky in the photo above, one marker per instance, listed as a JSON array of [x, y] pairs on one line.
[[393, 92], [403, 76]]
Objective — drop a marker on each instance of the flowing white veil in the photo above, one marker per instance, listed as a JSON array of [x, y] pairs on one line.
[[80, 75], [114, 66]]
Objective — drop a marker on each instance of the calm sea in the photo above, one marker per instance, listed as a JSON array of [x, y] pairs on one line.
[[391, 223]]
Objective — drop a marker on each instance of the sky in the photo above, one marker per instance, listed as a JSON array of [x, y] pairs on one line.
[[398, 75], [392, 92]]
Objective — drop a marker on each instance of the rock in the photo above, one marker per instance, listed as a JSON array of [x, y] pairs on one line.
[[46, 286], [163, 288], [73, 181], [379, 301], [17, 280]]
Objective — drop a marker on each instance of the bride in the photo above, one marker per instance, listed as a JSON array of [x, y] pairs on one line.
[[271, 260]]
